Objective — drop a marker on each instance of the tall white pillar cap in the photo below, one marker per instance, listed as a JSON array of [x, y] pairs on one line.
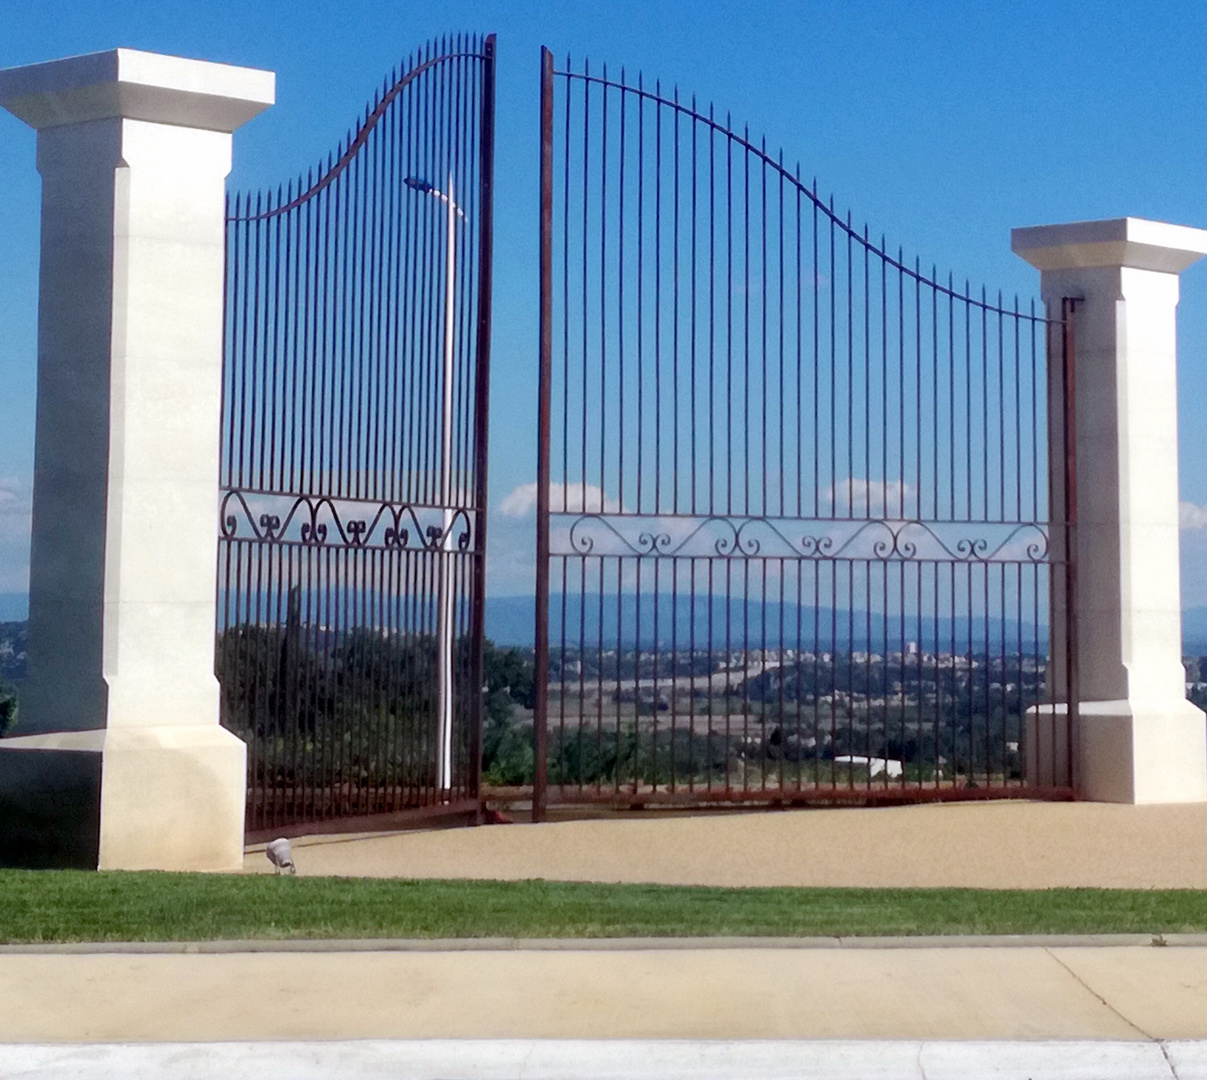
[[136, 85], [1129, 241]]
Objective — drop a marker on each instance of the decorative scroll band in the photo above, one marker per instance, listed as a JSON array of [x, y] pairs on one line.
[[800, 538], [319, 520]]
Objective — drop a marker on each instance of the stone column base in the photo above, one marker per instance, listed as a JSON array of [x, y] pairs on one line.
[[1046, 746], [156, 798], [1128, 752]]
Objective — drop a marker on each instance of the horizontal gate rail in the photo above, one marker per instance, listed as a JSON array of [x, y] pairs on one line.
[[352, 515], [796, 534]]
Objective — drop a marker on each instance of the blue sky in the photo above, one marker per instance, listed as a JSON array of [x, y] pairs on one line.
[[941, 124]]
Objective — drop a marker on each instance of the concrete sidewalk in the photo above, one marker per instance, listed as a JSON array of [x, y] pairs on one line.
[[1122, 993], [991, 845], [612, 1059]]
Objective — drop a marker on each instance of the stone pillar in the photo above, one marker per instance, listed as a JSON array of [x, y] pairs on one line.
[[119, 760], [1139, 739]]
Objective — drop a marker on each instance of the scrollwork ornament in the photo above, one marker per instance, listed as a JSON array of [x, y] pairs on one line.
[[651, 543], [906, 548], [748, 545], [972, 548], [1037, 550], [582, 542], [878, 540], [314, 534], [316, 520], [817, 547]]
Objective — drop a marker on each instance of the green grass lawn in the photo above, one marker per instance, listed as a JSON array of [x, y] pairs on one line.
[[45, 906]]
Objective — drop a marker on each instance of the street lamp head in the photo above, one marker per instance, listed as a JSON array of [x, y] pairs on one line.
[[419, 185], [425, 187]]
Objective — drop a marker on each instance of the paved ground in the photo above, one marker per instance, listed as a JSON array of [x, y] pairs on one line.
[[612, 1059], [1122, 993], [993, 845], [914, 1010]]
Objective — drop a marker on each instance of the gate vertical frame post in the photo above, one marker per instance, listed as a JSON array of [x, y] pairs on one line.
[[445, 620], [1068, 356], [541, 666], [1134, 737], [486, 177]]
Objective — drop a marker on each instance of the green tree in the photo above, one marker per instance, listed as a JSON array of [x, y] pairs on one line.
[[8, 707], [507, 753]]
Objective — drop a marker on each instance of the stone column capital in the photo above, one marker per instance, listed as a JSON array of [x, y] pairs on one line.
[[1124, 242], [134, 85]]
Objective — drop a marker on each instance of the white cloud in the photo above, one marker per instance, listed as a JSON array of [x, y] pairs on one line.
[[1192, 517], [519, 502], [563, 498], [874, 498]]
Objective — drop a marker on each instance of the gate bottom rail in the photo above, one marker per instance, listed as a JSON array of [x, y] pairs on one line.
[[827, 795]]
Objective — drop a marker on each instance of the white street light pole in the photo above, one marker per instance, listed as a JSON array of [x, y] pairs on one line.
[[444, 601]]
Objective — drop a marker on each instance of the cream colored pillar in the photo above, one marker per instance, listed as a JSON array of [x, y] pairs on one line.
[[1140, 740], [133, 149]]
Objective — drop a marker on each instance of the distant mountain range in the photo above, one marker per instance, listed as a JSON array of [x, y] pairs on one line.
[[510, 620], [683, 622]]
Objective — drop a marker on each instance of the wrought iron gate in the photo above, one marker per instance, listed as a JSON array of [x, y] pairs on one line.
[[351, 562], [794, 527]]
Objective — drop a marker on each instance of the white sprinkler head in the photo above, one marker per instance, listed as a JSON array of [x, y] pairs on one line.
[[280, 856]]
